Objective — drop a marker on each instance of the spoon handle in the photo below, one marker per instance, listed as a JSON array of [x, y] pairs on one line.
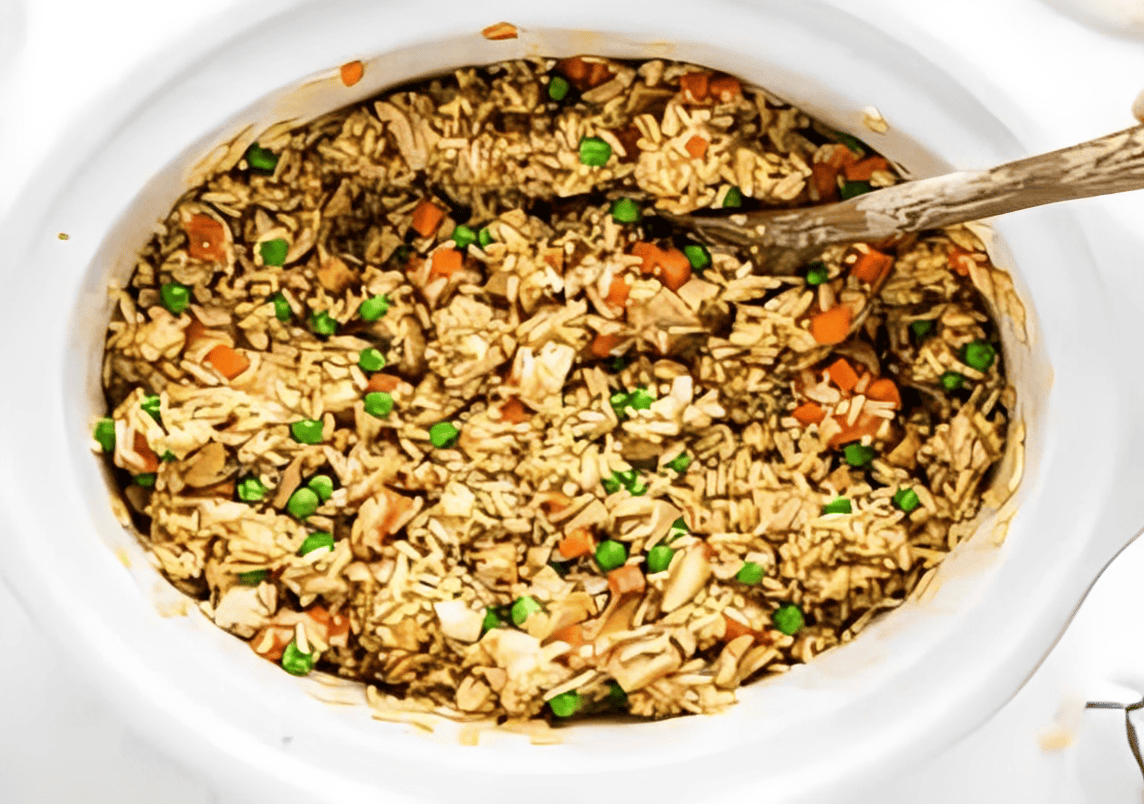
[[1111, 164]]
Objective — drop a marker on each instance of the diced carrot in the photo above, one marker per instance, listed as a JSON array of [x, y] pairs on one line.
[[553, 502], [884, 390], [725, 88], [270, 643], [396, 506], [335, 625], [144, 451], [385, 383], [840, 157], [500, 30], [735, 629], [194, 331], [227, 361], [427, 216], [832, 326], [582, 74], [863, 169], [571, 634], [629, 137], [446, 262], [352, 71], [554, 258], [574, 69], [512, 411], [825, 178], [576, 544], [598, 73], [602, 345], [675, 269], [694, 86], [696, 147], [808, 413], [871, 266], [206, 238], [626, 580], [961, 260], [867, 424], [650, 254], [842, 374], [618, 292]]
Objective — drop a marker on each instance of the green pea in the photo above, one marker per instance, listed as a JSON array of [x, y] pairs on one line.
[[611, 554], [612, 484], [594, 152], [558, 88], [857, 455], [733, 199], [322, 324], [851, 189], [295, 662], [679, 463], [817, 273], [167, 456], [566, 704], [463, 237], [625, 210], [323, 486], [443, 435], [307, 431], [260, 159], [303, 502], [659, 558], [104, 434], [616, 695], [274, 251], [251, 489], [920, 329], [853, 143], [320, 540], [839, 505], [373, 308], [952, 380], [150, 405], [523, 608], [641, 399], [616, 364], [979, 355], [492, 620], [637, 488], [698, 256], [282, 309], [175, 296], [379, 404], [751, 573], [788, 619], [485, 237], [371, 360], [146, 480], [619, 402], [253, 578], [906, 500]]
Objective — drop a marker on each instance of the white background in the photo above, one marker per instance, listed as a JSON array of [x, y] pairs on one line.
[[60, 743]]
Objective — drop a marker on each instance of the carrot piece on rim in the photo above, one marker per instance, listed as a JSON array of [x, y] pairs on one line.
[[352, 71], [832, 326], [808, 413], [576, 544], [227, 361], [427, 216], [871, 266], [842, 374], [500, 30]]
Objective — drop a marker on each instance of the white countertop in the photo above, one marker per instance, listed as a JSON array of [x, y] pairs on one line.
[[59, 741]]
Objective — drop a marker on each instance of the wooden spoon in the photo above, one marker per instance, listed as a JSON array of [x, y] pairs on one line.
[[1111, 164]]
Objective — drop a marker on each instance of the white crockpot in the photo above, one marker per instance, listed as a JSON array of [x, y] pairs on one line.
[[914, 682]]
